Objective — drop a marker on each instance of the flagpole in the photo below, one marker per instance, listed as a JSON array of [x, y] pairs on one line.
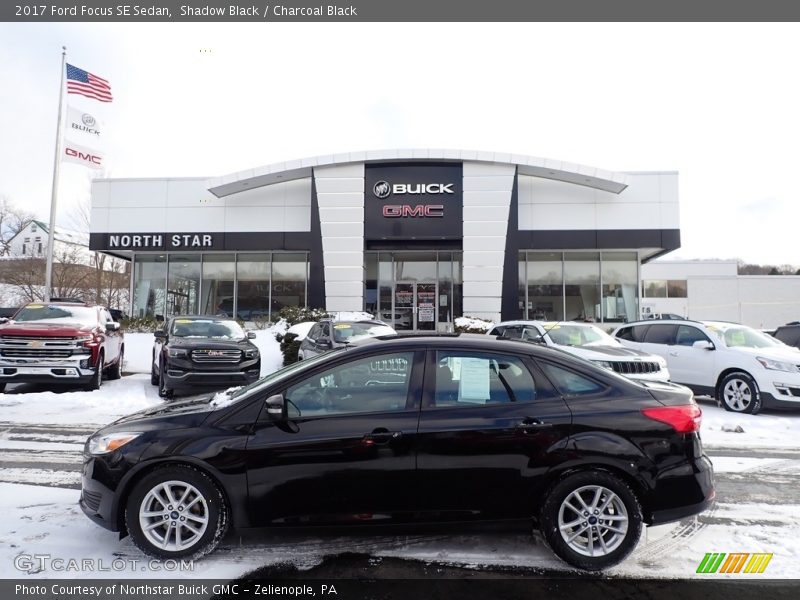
[[51, 238]]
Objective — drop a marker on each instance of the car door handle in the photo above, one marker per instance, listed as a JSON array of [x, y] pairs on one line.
[[532, 425], [673, 353], [382, 436]]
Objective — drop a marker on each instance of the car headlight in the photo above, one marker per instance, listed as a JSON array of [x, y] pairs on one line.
[[604, 363], [177, 352], [777, 365], [251, 353], [108, 443]]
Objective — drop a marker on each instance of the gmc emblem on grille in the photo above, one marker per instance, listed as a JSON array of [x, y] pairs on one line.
[[216, 353]]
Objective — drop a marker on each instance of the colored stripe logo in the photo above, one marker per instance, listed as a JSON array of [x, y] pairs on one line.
[[735, 562]]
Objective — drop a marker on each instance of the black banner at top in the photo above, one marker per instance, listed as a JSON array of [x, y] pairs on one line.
[[267, 11]]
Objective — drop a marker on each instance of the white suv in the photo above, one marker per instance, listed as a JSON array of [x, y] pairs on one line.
[[739, 366], [589, 342]]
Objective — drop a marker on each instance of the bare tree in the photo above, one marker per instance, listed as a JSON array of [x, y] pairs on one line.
[[12, 220]]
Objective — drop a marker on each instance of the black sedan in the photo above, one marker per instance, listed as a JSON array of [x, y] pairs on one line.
[[409, 429], [199, 352]]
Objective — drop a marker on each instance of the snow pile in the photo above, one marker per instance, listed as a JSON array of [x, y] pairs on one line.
[[470, 323], [723, 429]]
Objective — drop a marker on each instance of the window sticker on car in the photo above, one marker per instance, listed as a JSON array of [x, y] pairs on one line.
[[183, 320], [34, 306], [473, 385], [341, 326]]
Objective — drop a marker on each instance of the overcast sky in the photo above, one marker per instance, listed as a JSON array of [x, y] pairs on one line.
[[719, 103]]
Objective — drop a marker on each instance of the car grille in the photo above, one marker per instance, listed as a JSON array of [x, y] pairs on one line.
[[635, 367], [216, 356], [19, 346], [91, 499]]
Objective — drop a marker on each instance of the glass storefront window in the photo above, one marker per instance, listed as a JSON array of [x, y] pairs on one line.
[[289, 276], [149, 294], [217, 289], [654, 288], [252, 296], [620, 274], [582, 286], [545, 287], [371, 282], [676, 288], [183, 286]]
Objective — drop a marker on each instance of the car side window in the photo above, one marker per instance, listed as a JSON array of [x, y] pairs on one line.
[[325, 333], [660, 334], [688, 335], [472, 378], [374, 384], [313, 333], [570, 383]]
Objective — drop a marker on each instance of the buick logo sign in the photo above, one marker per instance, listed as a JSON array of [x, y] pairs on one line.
[[88, 120], [381, 189]]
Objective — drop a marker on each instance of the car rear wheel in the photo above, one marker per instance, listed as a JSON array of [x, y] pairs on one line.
[[591, 520], [115, 370], [163, 390], [97, 379], [176, 512], [153, 372], [737, 392]]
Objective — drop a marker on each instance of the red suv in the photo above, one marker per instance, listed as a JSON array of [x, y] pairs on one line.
[[60, 342]]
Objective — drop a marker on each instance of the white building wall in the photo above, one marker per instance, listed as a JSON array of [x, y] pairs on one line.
[[649, 202], [487, 199], [340, 194]]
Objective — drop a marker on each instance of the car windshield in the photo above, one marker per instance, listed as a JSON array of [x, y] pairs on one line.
[[564, 334], [233, 395], [206, 328], [350, 332], [739, 336], [57, 313]]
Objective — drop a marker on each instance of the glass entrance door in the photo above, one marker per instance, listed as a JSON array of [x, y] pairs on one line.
[[414, 306]]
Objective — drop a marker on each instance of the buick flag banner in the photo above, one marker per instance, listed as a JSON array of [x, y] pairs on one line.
[[83, 125]]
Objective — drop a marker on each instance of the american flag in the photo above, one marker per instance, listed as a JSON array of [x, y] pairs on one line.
[[84, 83]]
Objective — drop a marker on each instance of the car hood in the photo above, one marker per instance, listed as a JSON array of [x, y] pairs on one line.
[[186, 413], [607, 352], [45, 329], [788, 354]]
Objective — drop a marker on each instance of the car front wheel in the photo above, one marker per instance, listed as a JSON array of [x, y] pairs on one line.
[[163, 390], [738, 392], [115, 370], [176, 512], [591, 520], [97, 379]]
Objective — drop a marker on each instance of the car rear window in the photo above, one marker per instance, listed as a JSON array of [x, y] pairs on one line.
[[635, 333], [570, 383]]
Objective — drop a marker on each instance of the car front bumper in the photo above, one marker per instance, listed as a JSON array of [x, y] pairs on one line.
[[75, 369], [177, 379]]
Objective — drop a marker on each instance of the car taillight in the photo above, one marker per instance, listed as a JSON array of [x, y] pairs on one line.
[[683, 419]]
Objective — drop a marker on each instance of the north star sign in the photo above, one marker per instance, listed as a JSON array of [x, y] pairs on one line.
[[162, 241]]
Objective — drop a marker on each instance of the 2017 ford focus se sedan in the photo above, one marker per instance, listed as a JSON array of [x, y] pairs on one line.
[[409, 429]]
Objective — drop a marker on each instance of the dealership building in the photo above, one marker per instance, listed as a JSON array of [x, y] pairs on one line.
[[416, 237]]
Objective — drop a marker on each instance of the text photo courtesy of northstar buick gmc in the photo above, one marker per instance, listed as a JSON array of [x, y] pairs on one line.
[[60, 343], [402, 429]]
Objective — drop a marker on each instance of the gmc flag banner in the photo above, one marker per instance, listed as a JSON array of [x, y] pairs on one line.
[[82, 155]]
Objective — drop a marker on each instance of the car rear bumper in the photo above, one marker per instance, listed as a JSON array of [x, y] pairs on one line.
[[683, 491]]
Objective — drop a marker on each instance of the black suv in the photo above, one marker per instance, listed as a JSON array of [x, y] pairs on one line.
[[203, 352], [788, 334], [409, 429]]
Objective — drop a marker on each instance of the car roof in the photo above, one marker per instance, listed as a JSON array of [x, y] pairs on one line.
[[351, 321], [199, 317]]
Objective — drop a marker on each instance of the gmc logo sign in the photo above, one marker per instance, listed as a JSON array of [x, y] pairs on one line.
[[92, 158], [420, 210]]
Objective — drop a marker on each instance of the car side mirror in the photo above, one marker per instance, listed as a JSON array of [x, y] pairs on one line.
[[251, 335], [112, 326], [703, 345], [276, 406], [160, 334], [3, 320]]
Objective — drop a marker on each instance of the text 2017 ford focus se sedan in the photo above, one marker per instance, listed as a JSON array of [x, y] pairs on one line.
[[437, 428]]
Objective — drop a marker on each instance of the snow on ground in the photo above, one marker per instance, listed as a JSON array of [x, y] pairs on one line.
[[767, 430]]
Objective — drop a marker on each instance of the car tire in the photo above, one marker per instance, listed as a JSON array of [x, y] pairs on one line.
[[153, 372], [201, 520], [738, 392], [2, 387], [614, 530], [163, 390], [115, 370], [97, 379]]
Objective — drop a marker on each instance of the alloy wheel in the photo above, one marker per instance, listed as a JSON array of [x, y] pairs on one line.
[[593, 520], [737, 394], [173, 515]]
